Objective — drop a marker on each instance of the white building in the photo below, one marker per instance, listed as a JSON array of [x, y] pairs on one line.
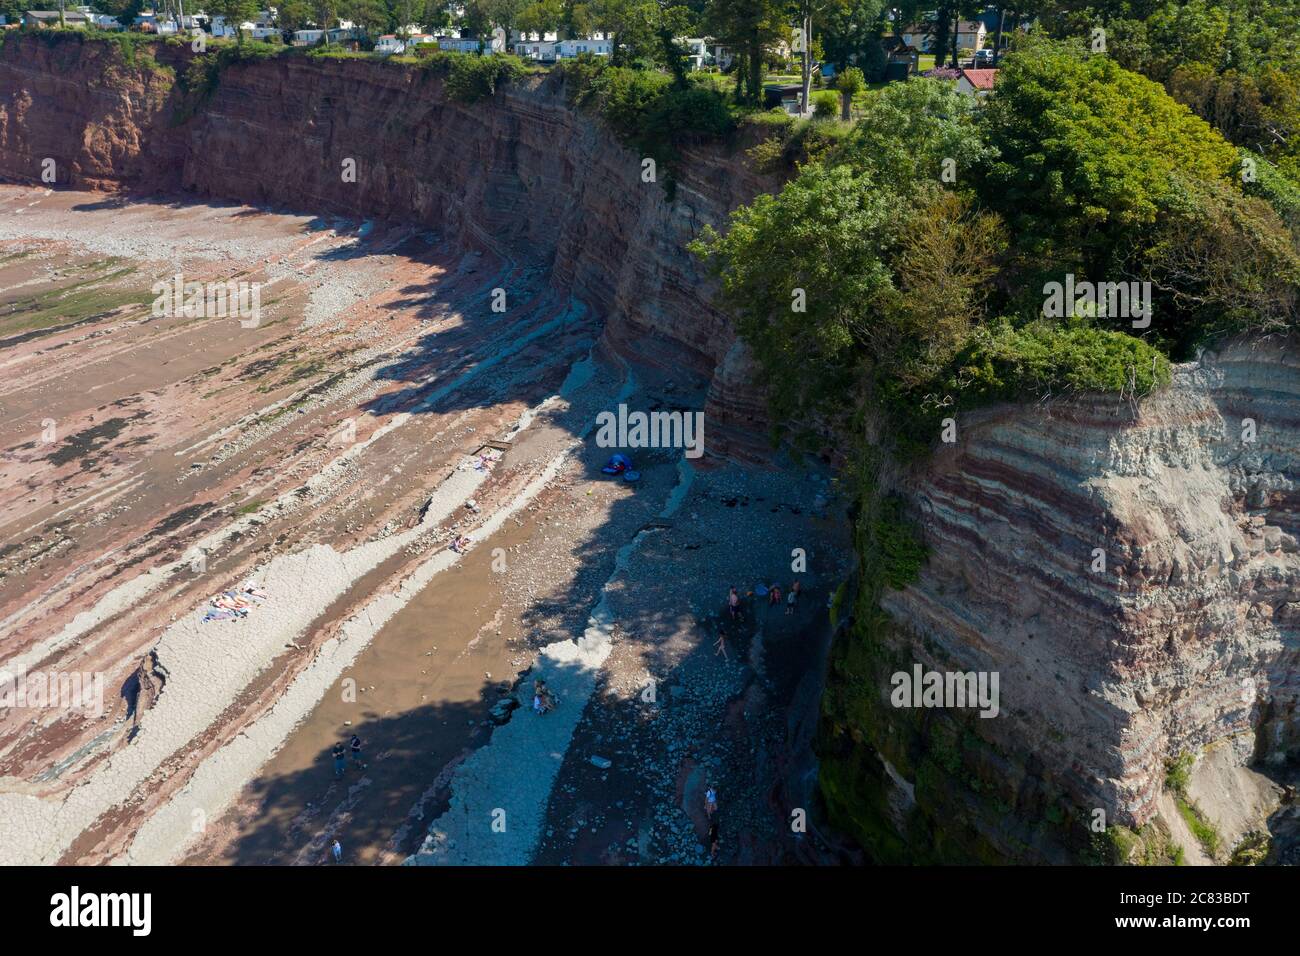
[[258, 29], [346, 33], [541, 50], [388, 43], [567, 49], [496, 43], [150, 22], [50, 18], [697, 51], [307, 37], [971, 35], [977, 83]]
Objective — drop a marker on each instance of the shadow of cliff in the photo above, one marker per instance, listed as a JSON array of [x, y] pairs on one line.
[[297, 814]]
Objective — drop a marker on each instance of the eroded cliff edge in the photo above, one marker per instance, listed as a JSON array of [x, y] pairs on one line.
[[523, 174], [1184, 645]]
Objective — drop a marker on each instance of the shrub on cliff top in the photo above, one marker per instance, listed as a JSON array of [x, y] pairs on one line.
[[646, 109], [470, 77], [1040, 359]]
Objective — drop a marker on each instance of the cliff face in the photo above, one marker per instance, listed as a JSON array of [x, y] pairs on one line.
[[523, 174], [1188, 637], [1131, 574], [102, 121], [1184, 641]]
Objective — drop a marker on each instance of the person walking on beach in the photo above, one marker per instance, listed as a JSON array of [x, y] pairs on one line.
[[710, 802], [715, 838], [774, 595], [721, 644], [339, 755], [792, 598], [337, 851], [356, 752]]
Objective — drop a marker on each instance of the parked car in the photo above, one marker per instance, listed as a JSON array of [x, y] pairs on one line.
[[983, 58]]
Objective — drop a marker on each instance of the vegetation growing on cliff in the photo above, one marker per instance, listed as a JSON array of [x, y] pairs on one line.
[[1177, 778], [903, 276], [203, 73], [650, 111], [907, 267], [472, 78]]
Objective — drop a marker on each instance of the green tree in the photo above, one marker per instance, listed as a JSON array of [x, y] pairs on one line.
[[504, 13], [629, 24], [809, 14], [1088, 150], [325, 15], [803, 272], [293, 14], [370, 15], [434, 15], [850, 34], [850, 83], [541, 17], [749, 28], [912, 133], [475, 18]]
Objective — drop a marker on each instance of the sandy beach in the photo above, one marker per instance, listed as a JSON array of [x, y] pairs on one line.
[[323, 460]]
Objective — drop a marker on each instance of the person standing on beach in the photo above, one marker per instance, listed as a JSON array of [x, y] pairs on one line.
[[715, 838], [339, 755], [792, 598], [733, 604], [710, 802], [356, 752], [337, 850]]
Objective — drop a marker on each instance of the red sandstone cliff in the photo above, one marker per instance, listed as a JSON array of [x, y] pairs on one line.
[[523, 174], [1186, 643]]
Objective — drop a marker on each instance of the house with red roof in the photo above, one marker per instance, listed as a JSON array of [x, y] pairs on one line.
[[976, 82]]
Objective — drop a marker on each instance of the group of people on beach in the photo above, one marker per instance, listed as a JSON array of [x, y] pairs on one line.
[[236, 603], [736, 610], [340, 753], [773, 598], [340, 764]]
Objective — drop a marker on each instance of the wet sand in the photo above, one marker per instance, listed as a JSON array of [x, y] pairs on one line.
[[422, 698]]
